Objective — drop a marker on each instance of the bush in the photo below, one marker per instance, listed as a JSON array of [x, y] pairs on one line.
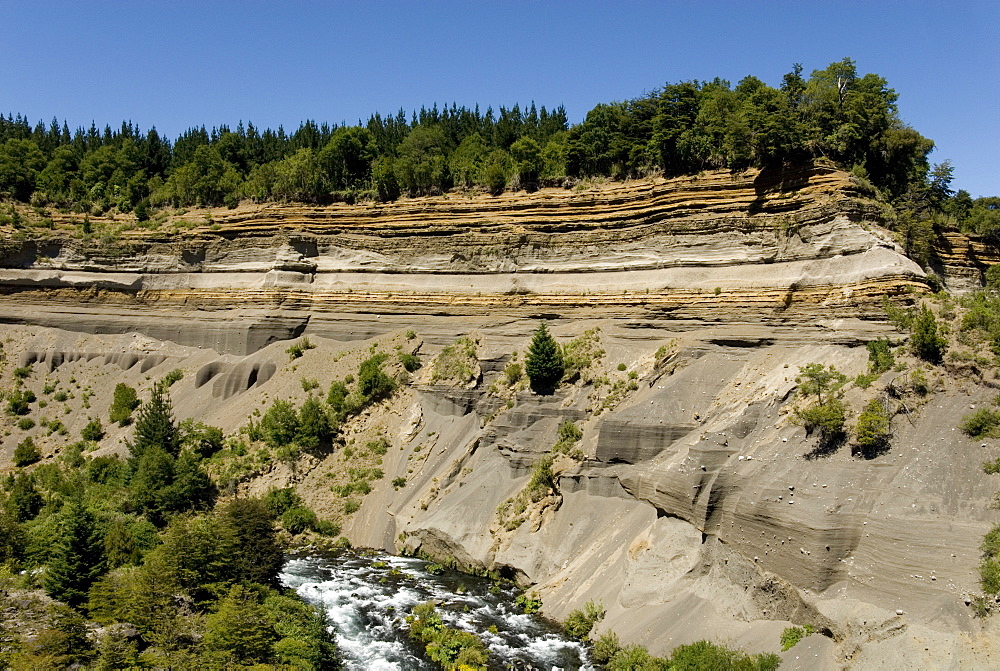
[[606, 647], [880, 357], [792, 635], [125, 401], [93, 431], [278, 501], [411, 362], [527, 603], [25, 423], [26, 453], [925, 341], [544, 363], [22, 372], [280, 424], [983, 423], [298, 519], [513, 373], [456, 361], [580, 622], [60, 396], [19, 400], [873, 425], [373, 383], [299, 348], [398, 483], [173, 376], [828, 418]]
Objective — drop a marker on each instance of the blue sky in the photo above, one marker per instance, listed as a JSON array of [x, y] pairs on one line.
[[178, 64]]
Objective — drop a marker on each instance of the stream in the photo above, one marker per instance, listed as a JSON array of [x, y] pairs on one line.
[[367, 597]]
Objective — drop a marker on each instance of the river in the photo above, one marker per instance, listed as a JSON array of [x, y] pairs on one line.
[[367, 596]]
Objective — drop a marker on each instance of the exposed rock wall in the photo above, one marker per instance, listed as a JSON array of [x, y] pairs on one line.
[[757, 246]]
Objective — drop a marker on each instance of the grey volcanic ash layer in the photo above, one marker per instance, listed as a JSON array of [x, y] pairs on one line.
[[693, 505]]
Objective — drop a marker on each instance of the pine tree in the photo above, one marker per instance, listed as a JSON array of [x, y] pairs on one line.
[[155, 426], [544, 364], [78, 558], [924, 338]]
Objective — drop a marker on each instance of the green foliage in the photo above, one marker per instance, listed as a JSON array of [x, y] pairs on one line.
[[26, 453], [792, 635], [456, 362], [78, 558], [25, 423], [313, 430], [277, 501], [880, 357], [451, 648], [815, 379], [154, 426], [411, 362], [579, 623], [22, 372], [338, 393], [298, 519], [544, 363], [580, 353], [280, 424], [827, 417], [542, 480], [92, 431], [202, 439], [707, 655], [19, 400], [398, 483], [983, 423], [298, 349], [373, 383], [125, 401], [173, 376], [989, 566], [605, 648], [513, 373], [873, 426], [528, 603], [925, 341], [241, 632]]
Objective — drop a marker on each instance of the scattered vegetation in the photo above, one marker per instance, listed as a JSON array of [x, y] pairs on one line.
[[579, 623], [296, 350], [457, 362]]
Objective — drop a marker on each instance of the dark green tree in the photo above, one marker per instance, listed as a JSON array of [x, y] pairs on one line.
[[78, 558], [25, 500], [544, 363], [154, 426], [256, 553], [124, 402], [925, 340], [26, 453], [241, 631], [314, 426]]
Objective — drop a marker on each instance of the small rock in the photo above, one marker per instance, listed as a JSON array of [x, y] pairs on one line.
[[899, 611]]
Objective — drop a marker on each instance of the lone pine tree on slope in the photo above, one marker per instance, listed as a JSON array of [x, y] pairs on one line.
[[544, 364]]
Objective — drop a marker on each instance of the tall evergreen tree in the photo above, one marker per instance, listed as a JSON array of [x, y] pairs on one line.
[[78, 558], [155, 427], [544, 364]]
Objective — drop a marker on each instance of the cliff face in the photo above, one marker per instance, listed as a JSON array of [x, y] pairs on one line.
[[756, 247], [695, 508]]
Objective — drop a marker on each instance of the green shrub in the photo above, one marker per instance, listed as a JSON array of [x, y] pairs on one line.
[[278, 501], [925, 341], [173, 376], [542, 480], [299, 348], [411, 334], [308, 384], [19, 400], [26, 453], [579, 622], [411, 362], [880, 357], [326, 528], [456, 362], [298, 519], [528, 603], [280, 424], [60, 396], [399, 483], [983, 423], [25, 423], [351, 506], [873, 425], [828, 418], [373, 383], [338, 393], [622, 367], [92, 431], [125, 401], [792, 635], [22, 372], [606, 647], [513, 373]]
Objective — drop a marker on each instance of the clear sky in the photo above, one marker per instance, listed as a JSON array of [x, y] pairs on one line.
[[178, 64]]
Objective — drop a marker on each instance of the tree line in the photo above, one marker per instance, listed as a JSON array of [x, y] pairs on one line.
[[678, 129]]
